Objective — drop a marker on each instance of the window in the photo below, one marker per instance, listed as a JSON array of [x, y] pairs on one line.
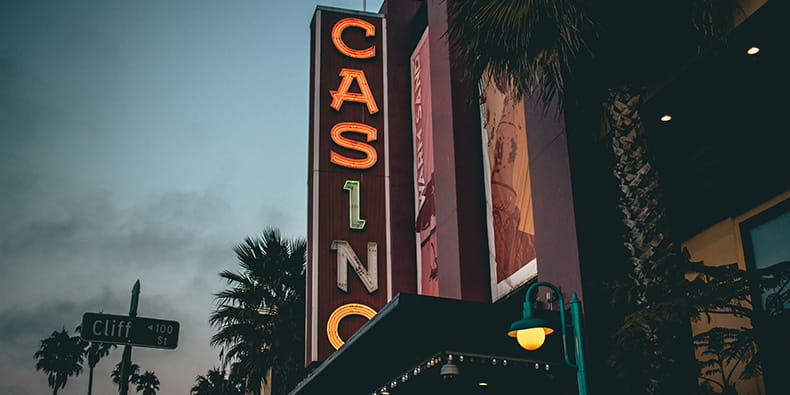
[[766, 246]]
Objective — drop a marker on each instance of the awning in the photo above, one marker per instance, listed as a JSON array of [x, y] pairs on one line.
[[403, 348]]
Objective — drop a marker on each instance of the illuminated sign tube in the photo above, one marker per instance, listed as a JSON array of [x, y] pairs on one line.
[[355, 220], [342, 94], [371, 156], [341, 312], [337, 38], [346, 256]]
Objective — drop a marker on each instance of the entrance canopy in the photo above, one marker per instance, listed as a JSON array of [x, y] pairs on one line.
[[407, 346]]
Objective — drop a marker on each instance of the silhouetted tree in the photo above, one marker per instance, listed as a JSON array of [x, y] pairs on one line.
[[215, 383], [134, 374], [94, 352], [725, 351], [260, 317], [60, 356], [148, 383]]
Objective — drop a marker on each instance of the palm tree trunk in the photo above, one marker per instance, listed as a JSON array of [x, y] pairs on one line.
[[641, 203], [652, 253], [90, 380]]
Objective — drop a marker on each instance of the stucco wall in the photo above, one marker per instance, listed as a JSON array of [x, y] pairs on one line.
[[721, 244]]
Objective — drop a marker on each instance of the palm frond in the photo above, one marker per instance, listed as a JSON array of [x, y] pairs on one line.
[[60, 356], [259, 318], [527, 47], [713, 19], [236, 278]]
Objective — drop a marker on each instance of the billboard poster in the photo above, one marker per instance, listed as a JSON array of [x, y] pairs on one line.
[[511, 229], [425, 206], [348, 262]]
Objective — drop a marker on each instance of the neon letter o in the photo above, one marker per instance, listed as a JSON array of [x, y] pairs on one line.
[[333, 323]]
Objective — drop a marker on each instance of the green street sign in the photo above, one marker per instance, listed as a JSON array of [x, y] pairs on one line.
[[131, 331]]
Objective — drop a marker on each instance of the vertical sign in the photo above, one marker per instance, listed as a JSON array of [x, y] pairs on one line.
[[511, 229], [424, 202], [348, 265]]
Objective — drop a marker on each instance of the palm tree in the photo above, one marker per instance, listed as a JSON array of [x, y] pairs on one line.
[[215, 383], [94, 352], [60, 357], [134, 373], [561, 49], [260, 317], [148, 383]]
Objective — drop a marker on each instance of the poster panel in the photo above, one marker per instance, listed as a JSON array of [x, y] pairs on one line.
[[424, 202], [511, 229]]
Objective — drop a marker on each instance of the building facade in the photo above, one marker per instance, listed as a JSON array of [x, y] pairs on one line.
[[434, 201]]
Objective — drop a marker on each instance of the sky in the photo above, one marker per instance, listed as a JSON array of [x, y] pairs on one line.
[[142, 140]]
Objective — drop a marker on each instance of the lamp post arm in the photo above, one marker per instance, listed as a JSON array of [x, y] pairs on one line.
[[528, 309]]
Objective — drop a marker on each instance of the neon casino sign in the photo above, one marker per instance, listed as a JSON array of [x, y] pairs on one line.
[[349, 195]]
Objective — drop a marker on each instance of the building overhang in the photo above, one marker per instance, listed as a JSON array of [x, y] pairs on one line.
[[404, 347], [723, 150]]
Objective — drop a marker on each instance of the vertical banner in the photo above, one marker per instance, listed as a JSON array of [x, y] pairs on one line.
[[425, 206], [348, 263], [511, 229]]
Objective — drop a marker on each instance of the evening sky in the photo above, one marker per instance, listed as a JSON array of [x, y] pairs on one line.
[[142, 140]]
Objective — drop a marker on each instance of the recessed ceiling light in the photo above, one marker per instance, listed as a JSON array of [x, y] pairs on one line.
[[483, 384], [753, 50], [666, 118]]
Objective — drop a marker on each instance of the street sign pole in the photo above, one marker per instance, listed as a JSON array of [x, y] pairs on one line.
[[127, 351]]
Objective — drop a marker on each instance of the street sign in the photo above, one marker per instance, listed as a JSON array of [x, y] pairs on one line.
[[131, 331]]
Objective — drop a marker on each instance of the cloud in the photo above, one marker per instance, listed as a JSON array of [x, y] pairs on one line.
[[13, 390], [156, 230], [24, 115], [21, 329], [90, 239], [123, 157], [65, 252]]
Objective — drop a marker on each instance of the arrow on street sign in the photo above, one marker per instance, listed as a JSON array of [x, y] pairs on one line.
[[132, 331]]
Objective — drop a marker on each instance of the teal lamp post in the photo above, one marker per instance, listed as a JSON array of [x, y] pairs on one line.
[[531, 331]]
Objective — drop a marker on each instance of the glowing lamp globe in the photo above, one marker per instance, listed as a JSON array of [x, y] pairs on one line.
[[530, 332], [531, 339]]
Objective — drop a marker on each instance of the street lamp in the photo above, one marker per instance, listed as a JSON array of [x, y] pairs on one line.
[[531, 331]]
